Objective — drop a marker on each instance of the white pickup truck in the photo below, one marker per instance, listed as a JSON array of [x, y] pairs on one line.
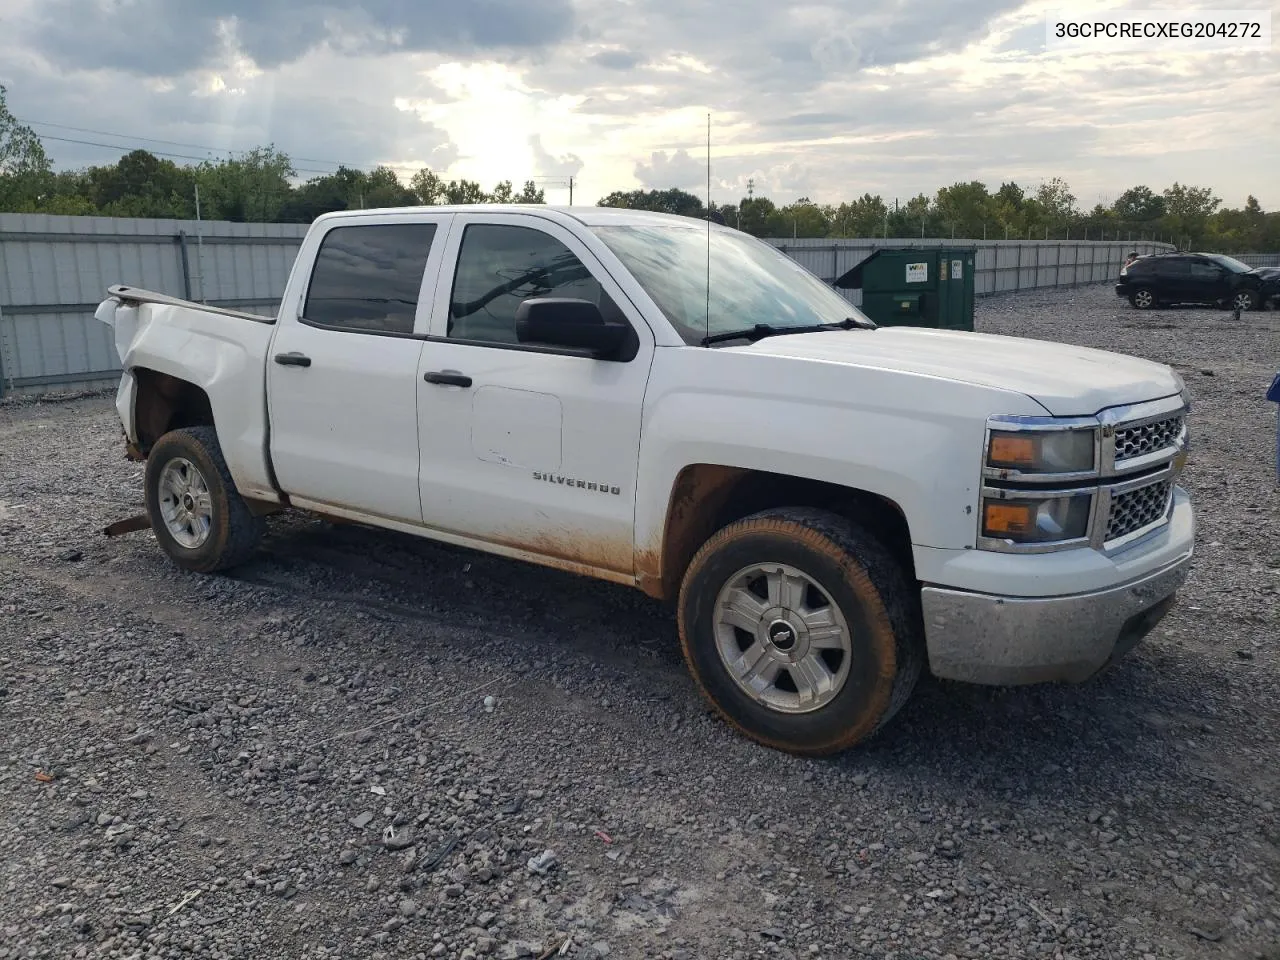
[[827, 505]]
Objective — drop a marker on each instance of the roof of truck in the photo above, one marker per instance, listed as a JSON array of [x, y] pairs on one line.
[[590, 216]]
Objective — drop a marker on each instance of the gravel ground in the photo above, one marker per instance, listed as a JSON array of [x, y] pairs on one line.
[[297, 761]]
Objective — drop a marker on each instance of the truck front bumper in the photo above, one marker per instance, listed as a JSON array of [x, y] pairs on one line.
[[1005, 641]]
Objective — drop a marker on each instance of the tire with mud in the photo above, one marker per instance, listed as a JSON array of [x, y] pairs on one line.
[[199, 518], [801, 629]]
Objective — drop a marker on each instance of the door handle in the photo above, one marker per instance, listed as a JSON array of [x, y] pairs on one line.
[[293, 360], [448, 379]]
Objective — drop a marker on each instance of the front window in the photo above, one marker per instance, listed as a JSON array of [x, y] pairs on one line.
[[750, 282], [1231, 263], [501, 266]]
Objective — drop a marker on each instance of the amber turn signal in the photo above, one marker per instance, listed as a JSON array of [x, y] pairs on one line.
[[1013, 451], [1008, 519]]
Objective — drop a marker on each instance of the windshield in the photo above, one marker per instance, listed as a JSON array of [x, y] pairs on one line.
[[1231, 263], [751, 282]]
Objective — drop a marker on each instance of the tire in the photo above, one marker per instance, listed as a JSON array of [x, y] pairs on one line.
[[849, 573], [1243, 300], [204, 526], [1143, 298]]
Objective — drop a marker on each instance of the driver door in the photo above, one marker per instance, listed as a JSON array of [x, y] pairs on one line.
[[531, 448]]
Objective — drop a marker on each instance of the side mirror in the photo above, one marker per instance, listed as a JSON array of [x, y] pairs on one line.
[[566, 322]]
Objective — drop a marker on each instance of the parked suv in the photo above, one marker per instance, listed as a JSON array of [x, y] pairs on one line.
[[1194, 278]]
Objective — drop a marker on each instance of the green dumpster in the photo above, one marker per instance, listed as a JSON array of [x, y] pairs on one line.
[[917, 287]]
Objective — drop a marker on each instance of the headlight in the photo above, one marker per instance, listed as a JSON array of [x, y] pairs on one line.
[[1039, 520], [1057, 451]]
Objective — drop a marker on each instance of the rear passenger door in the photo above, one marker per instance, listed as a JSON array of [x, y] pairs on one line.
[[1175, 285], [342, 377]]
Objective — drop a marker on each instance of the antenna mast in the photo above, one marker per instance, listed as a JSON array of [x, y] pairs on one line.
[[708, 224]]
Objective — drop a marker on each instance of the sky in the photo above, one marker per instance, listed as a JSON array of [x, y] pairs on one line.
[[827, 100]]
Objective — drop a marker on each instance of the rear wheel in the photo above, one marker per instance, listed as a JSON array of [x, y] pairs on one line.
[[801, 630], [1142, 299], [200, 520]]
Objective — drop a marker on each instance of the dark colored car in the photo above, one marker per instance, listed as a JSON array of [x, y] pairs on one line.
[[1208, 278], [1271, 281]]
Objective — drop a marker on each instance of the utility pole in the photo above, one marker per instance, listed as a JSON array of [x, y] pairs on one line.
[[571, 191]]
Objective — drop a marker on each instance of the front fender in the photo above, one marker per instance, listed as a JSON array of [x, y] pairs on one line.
[[914, 440]]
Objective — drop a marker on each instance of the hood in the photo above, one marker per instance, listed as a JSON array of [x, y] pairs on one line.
[[1066, 380]]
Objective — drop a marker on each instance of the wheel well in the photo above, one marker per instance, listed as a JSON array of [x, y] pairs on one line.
[[707, 497], [165, 403]]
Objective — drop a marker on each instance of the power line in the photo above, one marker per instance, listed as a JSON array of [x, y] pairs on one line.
[[125, 148], [172, 143]]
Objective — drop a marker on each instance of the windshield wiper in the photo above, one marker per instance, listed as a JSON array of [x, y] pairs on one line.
[[762, 330]]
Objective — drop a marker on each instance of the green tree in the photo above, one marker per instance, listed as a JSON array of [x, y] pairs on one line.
[[24, 166], [382, 188], [141, 184], [254, 187], [331, 192], [1138, 205], [1187, 212], [804, 218], [1056, 201], [660, 201], [464, 191], [427, 187], [531, 193], [864, 217], [759, 217], [965, 209]]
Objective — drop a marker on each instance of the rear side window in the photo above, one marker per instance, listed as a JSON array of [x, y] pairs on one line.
[[1142, 266], [367, 278], [1175, 268]]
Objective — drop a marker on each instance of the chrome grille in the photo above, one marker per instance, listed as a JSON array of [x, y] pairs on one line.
[[1147, 438], [1139, 508]]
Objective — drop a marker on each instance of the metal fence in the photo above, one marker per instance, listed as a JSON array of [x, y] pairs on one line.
[[1000, 266], [1259, 259], [54, 271]]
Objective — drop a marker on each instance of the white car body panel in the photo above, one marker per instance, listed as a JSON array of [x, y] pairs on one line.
[[222, 353]]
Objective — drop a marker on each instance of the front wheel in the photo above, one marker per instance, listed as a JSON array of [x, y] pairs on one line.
[[1244, 300], [801, 630], [199, 518], [1142, 299]]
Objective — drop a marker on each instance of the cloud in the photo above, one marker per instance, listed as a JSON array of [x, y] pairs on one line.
[[671, 170], [617, 59], [828, 98], [569, 165], [169, 37]]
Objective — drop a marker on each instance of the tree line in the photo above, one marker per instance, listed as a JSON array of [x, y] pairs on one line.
[[262, 185], [1186, 216]]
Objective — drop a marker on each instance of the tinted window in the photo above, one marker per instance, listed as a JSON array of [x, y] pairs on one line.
[[501, 266], [1205, 271], [1231, 263], [1174, 268], [368, 278], [1142, 266]]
